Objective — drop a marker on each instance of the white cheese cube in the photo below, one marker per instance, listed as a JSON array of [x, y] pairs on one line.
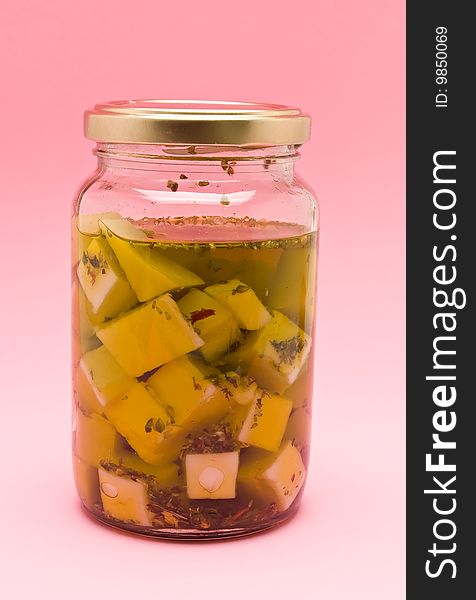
[[124, 499], [275, 354], [100, 376], [103, 282], [276, 477], [211, 475]]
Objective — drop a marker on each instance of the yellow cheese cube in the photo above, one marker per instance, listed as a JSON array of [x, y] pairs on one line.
[[212, 321], [124, 499], [103, 282], [195, 400], [211, 475], [147, 425], [99, 375], [242, 302], [87, 482], [95, 439], [275, 354], [262, 424], [276, 477], [149, 336], [148, 270]]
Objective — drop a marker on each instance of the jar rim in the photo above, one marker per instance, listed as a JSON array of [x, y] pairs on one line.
[[210, 122]]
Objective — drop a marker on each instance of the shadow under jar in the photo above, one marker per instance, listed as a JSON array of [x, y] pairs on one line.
[[194, 270]]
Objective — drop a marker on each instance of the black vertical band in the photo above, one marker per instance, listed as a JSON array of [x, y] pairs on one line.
[[441, 269]]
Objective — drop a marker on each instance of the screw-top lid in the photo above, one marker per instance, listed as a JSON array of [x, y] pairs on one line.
[[196, 122]]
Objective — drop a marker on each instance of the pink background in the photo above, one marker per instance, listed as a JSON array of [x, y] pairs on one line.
[[343, 62]]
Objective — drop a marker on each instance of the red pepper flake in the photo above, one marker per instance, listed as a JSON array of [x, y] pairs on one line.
[[203, 313], [241, 513]]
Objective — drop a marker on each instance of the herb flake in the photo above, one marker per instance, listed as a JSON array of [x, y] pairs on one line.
[[289, 349], [240, 289]]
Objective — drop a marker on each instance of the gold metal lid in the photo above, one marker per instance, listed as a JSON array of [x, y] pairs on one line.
[[196, 122]]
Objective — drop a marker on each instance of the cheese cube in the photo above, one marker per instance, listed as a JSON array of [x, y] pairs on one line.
[[242, 302], [275, 354], [149, 271], [262, 423], [211, 475], [95, 439], [183, 385], [212, 321], [103, 282], [124, 499], [276, 477], [147, 425], [100, 380], [149, 336], [87, 482]]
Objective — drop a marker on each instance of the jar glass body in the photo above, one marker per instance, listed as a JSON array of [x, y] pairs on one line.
[[194, 273]]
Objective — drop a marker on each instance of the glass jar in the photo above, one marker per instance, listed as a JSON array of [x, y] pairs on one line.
[[194, 268]]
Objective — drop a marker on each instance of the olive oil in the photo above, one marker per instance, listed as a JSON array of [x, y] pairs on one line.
[[192, 371]]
